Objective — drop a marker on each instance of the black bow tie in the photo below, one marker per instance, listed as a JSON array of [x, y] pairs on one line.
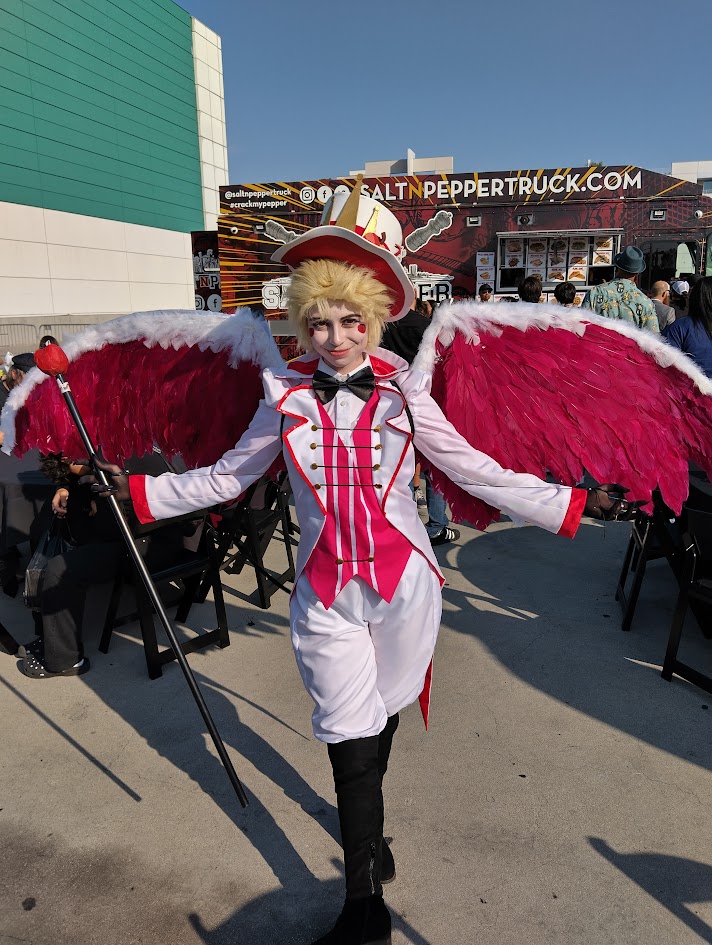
[[362, 383]]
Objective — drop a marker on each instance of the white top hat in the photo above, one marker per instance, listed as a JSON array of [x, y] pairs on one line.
[[358, 230]]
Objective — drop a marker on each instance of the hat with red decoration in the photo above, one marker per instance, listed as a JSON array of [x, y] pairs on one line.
[[358, 230]]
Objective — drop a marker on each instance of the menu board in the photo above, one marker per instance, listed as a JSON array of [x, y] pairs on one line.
[[556, 258]]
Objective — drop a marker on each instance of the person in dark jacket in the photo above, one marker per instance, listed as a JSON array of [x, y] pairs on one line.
[[693, 335], [403, 338], [95, 555]]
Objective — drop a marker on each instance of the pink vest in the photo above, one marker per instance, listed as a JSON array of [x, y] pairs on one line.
[[357, 539]]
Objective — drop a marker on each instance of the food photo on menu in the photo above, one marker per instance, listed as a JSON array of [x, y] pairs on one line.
[[559, 245], [603, 242], [537, 246], [579, 244], [602, 257]]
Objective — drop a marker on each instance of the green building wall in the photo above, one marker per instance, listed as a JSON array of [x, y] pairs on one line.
[[98, 110]]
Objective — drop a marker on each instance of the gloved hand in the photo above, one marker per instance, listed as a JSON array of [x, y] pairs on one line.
[[119, 480], [607, 502]]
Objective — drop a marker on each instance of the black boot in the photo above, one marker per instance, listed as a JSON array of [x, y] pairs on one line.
[[388, 864], [360, 804], [364, 920], [385, 740]]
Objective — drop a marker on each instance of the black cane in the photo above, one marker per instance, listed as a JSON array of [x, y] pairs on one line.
[[52, 360]]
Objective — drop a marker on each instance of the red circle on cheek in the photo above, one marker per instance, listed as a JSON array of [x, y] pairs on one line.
[[362, 329], [311, 331]]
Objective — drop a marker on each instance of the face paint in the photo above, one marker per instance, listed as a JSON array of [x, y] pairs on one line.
[[339, 337]]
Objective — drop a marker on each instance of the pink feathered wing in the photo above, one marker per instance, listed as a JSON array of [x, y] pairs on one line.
[[545, 389], [187, 382]]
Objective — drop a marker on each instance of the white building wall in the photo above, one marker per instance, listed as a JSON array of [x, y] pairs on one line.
[[692, 170], [210, 98], [408, 165], [65, 268]]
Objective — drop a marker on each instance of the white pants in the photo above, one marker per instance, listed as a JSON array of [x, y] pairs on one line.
[[364, 659]]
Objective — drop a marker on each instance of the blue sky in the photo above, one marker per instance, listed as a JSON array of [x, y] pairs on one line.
[[314, 88]]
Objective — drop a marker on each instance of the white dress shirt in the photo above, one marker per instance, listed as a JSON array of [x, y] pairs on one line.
[[345, 408]]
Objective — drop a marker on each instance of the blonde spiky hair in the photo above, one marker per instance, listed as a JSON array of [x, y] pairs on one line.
[[317, 282]]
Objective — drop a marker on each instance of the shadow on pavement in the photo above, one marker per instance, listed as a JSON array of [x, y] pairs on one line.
[[552, 620], [181, 740], [299, 913], [676, 883]]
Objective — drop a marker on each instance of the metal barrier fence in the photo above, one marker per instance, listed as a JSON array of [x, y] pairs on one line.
[[17, 337]]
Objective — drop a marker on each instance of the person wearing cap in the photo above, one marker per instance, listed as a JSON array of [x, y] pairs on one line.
[[366, 604], [679, 294], [693, 334], [485, 293], [21, 364], [621, 298]]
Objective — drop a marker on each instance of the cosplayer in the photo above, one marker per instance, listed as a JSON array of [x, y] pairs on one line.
[[366, 604]]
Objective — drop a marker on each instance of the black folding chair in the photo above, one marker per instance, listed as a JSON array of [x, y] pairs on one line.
[[695, 593], [191, 568], [246, 529], [651, 538]]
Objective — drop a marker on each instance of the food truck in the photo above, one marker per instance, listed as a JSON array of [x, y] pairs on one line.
[[464, 230]]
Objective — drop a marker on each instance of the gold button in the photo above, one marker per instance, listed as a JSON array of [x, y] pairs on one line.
[[339, 560], [314, 426], [371, 558], [315, 465], [377, 485], [317, 485], [378, 447], [377, 429], [312, 446], [377, 466]]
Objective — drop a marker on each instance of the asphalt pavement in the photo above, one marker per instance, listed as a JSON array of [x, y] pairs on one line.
[[562, 795]]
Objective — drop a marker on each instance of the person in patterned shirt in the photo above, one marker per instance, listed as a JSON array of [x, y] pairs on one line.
[[622, 298]]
